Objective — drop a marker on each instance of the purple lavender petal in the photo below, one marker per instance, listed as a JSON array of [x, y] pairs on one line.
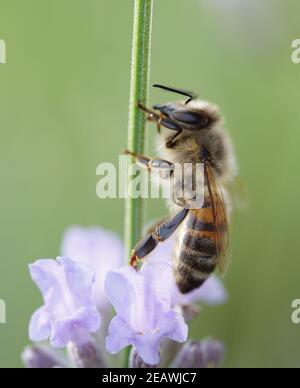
[[145, 317], [174, 327], [40, 326], [121, 292], [120, 335], [102, 251], [147, 347], [68, 308], [160, 277], [67, 330]]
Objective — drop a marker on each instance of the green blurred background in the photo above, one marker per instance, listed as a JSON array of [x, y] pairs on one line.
[[63, 110]]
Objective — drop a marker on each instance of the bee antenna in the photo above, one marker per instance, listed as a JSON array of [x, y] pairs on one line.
[[192, 96]]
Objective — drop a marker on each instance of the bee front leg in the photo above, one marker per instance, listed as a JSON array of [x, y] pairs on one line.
[[141, 160], [158, 165]]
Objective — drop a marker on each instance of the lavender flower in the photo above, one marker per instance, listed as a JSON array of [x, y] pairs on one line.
[[136, 362], [204, 354], [150, 309], [42, 357], [69, 313], [86, 355], [102, 251], [145, 315]]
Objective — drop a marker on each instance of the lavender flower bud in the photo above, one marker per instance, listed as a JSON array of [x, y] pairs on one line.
[[39, 357], [190, 311], [135, 361], [205, 354], [86, 355]]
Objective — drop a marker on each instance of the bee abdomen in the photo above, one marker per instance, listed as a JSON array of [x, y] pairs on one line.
[[199, 246], [194, 267], [197, 256], [188, 279]]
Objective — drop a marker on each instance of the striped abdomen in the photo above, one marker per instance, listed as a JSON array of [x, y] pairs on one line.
[[196, 256]]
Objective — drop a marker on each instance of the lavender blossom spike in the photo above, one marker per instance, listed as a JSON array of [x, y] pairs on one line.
[[135, 361], [42, 357], [205, 354], [86, 355]]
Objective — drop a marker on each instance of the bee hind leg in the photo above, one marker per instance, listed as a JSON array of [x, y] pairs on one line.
[[160, 233], [143, 249]]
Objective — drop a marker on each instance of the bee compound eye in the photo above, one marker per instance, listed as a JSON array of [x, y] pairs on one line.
[[170, 124], [165, 109], [192, 118]]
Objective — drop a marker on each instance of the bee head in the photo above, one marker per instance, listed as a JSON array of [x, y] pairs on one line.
[[185, 120]]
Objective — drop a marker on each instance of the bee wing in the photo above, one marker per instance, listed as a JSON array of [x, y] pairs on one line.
[[239, 194], [220, 221]]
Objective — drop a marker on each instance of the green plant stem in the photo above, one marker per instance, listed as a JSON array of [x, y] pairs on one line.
[[140, 71], [140, 74]]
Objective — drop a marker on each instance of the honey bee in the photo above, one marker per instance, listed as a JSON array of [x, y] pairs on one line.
[[192, 132]]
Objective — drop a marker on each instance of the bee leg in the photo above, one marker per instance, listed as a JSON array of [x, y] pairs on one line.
[[143, 161], [180, 202], [161, 233], [170, 143], [167, 228], [151, 114], [143, 249], [161, 119], [152, 164]]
